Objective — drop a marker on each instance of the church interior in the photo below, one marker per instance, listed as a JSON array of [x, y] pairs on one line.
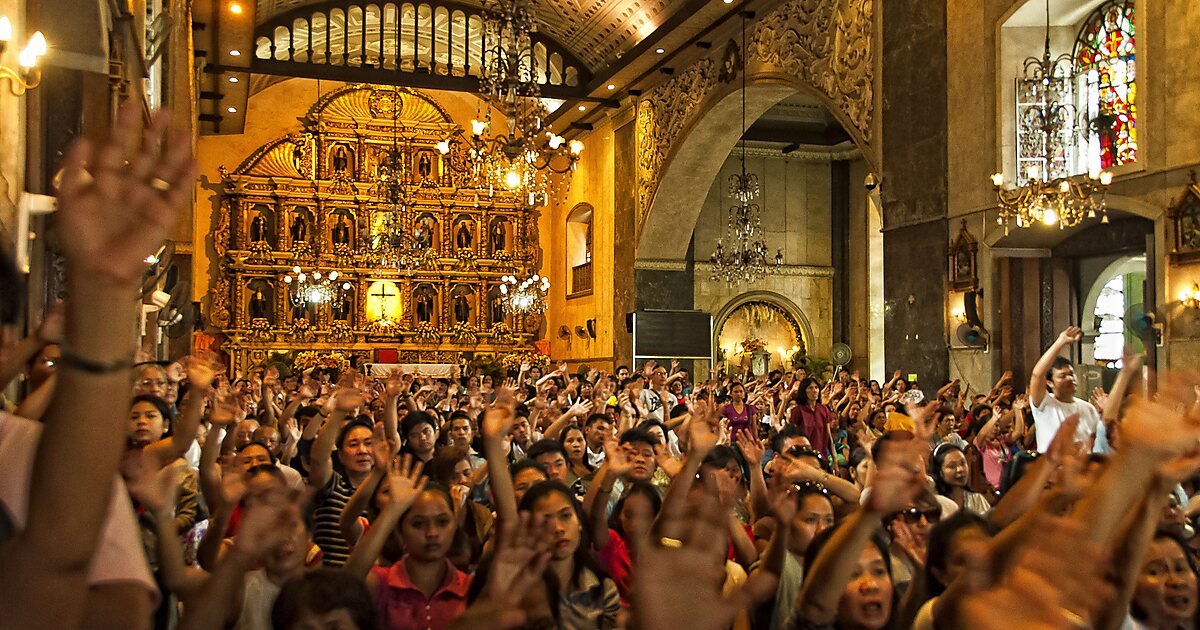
[[875, 184]]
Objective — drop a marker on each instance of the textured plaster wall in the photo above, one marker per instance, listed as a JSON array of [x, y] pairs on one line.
[[795, 203]]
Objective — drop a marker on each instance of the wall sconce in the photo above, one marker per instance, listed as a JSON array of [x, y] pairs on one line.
[[28, 77], [1190, 298], [959, 314]]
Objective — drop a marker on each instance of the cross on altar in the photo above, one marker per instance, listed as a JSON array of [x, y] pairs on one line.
[[383, 294]]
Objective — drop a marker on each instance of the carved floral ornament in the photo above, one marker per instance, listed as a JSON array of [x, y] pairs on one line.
[[827, 44]]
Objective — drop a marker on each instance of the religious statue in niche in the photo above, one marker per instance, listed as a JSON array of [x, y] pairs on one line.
[[299, 230], [258, 225], [1186, 216], [463, 238], [461, 305], [423, 299], [304, 310], [962, 261], [344, 307], [424, 165], [342, 232], [260, 305], [423, 232], [496, 240], [339, 159], [495, 306]]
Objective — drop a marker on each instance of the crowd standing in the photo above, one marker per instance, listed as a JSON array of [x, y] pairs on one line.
[[151, 495]]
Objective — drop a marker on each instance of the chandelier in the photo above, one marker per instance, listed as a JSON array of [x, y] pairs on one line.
[[520, 159], [315, 288], [1048, 194], [526, 296], [746, 257], [391, 243]]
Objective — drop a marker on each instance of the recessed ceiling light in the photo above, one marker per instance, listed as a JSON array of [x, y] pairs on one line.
[[660, 50], [235, 52], [235, 8], [611, 86], [233, 79], [583, 108], [232, 110], [728, 1]]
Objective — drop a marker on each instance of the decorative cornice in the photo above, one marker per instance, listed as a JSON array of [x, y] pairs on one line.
[[801, 156], [660, 264], [805, 271]]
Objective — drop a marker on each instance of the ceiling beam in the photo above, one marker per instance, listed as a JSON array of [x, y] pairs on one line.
[[796, 133]]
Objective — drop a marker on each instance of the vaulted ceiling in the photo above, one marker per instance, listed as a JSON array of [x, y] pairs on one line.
[[597, 31]]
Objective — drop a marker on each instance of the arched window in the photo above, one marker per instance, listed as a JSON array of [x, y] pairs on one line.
[[579, 249], [1104, 64], [1120, 293]]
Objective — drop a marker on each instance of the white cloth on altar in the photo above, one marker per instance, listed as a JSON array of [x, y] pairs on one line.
[[435, 370]]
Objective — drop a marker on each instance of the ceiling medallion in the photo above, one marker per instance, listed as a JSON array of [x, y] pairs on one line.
[[1047, 194], [520, 156], [746, 257]]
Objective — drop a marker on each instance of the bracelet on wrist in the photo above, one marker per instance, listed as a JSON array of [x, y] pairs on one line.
[[92, 366]]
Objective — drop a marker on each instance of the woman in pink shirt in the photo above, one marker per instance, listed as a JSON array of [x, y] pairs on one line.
[[812, 416], [423, 589]]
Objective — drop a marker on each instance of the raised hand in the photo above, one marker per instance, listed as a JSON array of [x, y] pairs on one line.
[[345, 399], [405, 481], [154, 489], [112, 218], [1070, 335], [616, 458], [903, 536], [267, 522], [518, 564], [382, 448], [201, 369], [896, 482], [581, 409], [51, 328], [750, 447], [498, 420], [1166, 427]]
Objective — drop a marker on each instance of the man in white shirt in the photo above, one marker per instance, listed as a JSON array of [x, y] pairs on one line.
[[1052, 396]]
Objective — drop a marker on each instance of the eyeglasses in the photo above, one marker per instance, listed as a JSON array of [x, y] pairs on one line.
[[147, 382], [913, 515]]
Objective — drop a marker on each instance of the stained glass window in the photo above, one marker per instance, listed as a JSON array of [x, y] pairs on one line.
[[1104, 63]]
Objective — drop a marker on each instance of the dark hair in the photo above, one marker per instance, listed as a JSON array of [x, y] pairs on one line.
[[856, 458], [801, 396], [937, 554], [261, 445], [807, 489], [678, 410], [439, 489], [415, 419], [1137, 612], [323, 591], [638, 436], [1015, 469], [786, 433], [161, 405], [266, 469], [546, 446], [1060, 363], [459, 414], [646, 425], [520, 465], [350, 426], [622, 367], [643, 488], [818, 543], [583, 554], [521, 410], [441, 466], [596, 417], [306, 411], [940, 453]]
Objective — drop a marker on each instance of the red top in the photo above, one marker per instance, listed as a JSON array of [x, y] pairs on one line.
[[401, 604], [614, 558], [813, 421]]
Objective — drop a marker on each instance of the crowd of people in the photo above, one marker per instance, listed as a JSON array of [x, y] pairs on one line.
[[178, 495]]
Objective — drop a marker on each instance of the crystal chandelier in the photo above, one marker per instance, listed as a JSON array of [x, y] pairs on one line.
[[391, 244], [521, 159], [524, 297], [746, 258], [314, 288], [1046, 192]]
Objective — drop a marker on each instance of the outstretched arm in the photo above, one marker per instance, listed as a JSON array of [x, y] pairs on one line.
[[497, 421], [1037, 380]]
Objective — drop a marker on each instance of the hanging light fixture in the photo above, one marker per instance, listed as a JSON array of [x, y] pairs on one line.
[[391, 243], [746, 257], [524, 297], [519, 159], [314, 288], [1046, 192]]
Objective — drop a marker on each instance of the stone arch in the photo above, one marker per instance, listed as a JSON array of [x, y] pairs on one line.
[[688, 167], [770, 297]]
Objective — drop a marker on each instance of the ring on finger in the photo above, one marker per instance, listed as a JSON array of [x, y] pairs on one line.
[[159, 184], [672, 543]]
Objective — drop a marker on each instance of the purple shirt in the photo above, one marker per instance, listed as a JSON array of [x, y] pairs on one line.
[[738, 421], [813, 421]]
